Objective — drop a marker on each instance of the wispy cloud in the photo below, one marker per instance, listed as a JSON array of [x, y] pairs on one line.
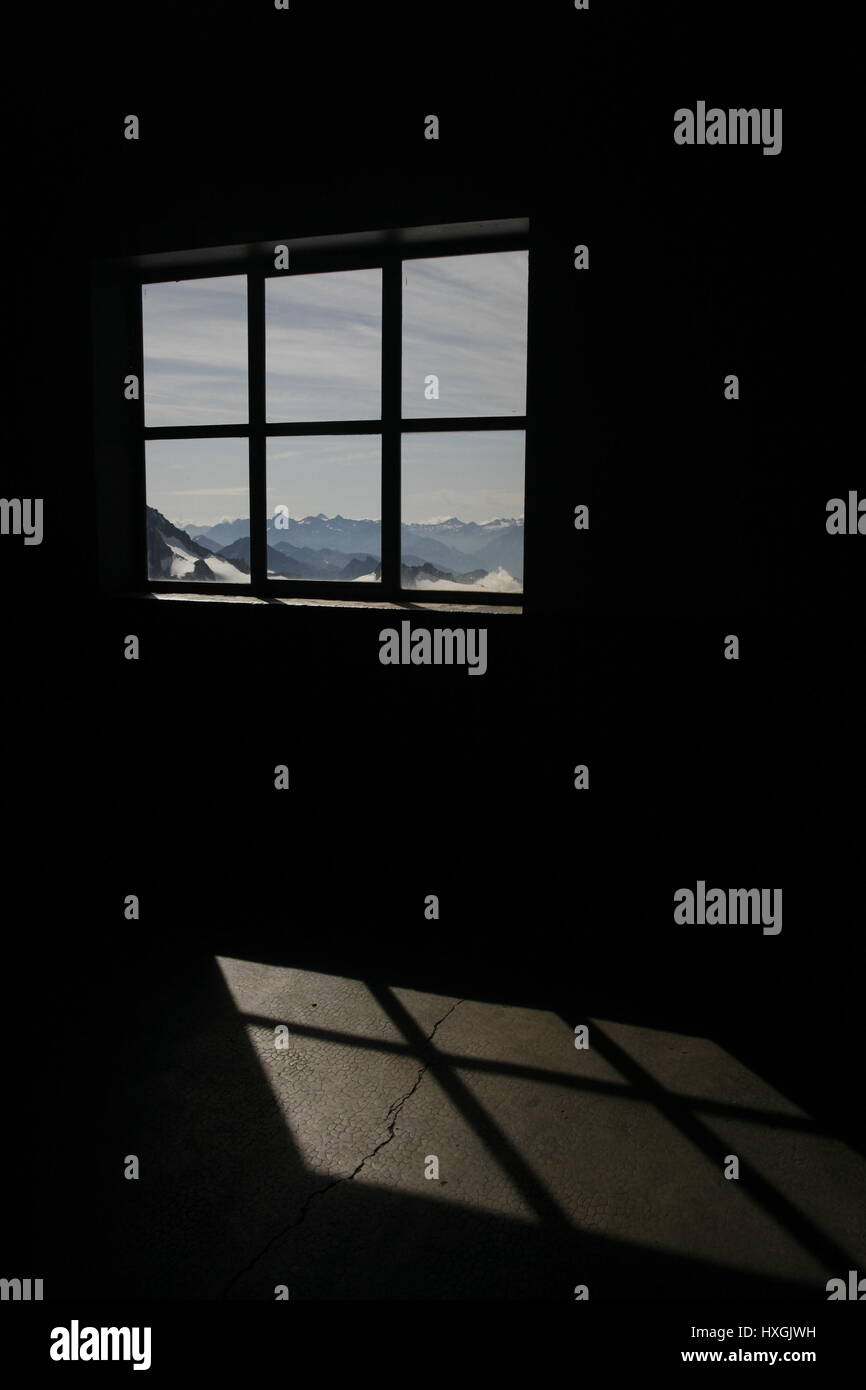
[[208, 492], [464, 320], [212, 474], [195, 351], [323, 346]]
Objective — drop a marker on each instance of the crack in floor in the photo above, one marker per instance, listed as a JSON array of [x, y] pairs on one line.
[[393, 1111]]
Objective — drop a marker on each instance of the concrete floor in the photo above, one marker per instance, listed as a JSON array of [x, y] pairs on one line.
[[304, 1166]]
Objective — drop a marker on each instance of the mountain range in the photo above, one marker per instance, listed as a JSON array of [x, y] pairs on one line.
[[445, 543], [442, 553]]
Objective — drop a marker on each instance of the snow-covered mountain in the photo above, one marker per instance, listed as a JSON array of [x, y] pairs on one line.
[[173, 554], [444, 552]]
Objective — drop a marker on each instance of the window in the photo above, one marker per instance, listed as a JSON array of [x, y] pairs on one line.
[[353, 426]]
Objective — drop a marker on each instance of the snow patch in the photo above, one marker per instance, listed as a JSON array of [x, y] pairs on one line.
[[497, 582], [226, 572], [182, 562]]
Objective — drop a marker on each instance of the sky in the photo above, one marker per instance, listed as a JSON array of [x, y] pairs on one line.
[[464, 321]]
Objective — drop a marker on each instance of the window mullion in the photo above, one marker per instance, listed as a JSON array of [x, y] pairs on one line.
[[257, 439], [140, 567], [391, 409]]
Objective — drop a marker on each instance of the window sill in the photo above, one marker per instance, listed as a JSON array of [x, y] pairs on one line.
[[369, 605]]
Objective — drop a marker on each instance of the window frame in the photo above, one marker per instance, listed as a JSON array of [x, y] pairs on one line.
[[386, 251]]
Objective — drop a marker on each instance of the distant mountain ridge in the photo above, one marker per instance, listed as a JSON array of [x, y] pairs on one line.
[[445, 544]]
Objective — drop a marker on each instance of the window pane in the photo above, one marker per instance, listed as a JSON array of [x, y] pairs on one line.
[[462, 510], [195, 352], [324, 346], [198, 508], [324, 501], [464, 323]]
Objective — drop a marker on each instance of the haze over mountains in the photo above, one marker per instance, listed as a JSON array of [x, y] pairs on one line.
[[442, 553]]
